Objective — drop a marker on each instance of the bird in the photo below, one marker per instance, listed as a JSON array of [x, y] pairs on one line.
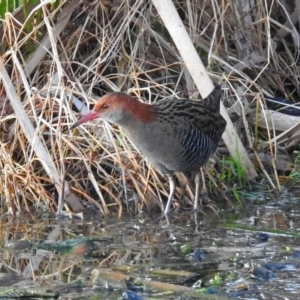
[[175, 135]]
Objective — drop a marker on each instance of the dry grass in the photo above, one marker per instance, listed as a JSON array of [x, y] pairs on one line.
[[120, 46]]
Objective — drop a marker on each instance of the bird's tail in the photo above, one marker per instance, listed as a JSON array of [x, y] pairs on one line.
[[212, 101]]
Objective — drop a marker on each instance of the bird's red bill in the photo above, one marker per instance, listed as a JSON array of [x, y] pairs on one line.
[[92, 115]]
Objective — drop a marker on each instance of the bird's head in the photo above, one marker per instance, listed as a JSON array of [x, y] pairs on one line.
[[117, 108]]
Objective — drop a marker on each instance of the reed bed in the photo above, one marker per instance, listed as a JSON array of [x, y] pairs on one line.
[[54, 70]]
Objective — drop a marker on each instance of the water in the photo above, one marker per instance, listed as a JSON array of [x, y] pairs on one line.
[[246, 252]]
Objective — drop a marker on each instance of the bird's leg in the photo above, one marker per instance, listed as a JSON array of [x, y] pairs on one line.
[[197, 185], [171, 193]]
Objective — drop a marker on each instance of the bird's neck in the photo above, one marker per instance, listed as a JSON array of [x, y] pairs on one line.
[[138, 112]]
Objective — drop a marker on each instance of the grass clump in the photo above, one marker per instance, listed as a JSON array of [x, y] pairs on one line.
[[82, 52]]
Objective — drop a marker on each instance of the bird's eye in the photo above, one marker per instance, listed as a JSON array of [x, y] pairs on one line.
[[104, 106]]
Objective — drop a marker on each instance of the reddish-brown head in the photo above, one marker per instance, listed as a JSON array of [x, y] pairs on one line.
[[118, 108]]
